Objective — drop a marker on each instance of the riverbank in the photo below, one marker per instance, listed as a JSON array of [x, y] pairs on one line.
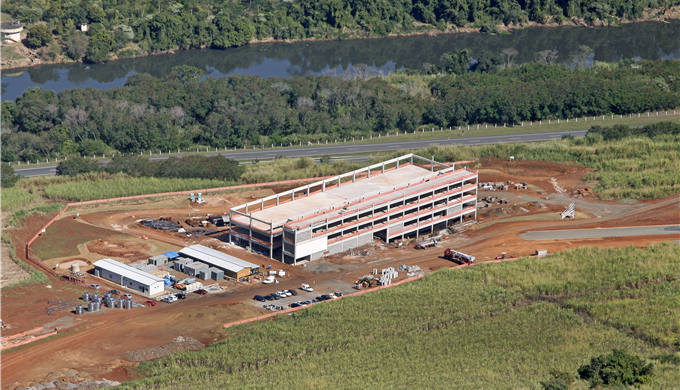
[[15, 58]]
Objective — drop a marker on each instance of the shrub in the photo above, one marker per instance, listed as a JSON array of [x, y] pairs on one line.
[[619, 368], [38, 36], [9, 178], [77, 165]]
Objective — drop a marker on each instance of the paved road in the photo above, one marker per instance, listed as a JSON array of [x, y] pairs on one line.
[[343, 149], [602, 233]]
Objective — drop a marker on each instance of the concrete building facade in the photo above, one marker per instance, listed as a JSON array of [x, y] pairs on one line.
[[394, 200], [129, 277]]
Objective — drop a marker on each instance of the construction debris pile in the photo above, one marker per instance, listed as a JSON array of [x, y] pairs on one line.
[[162, 224], [501, 186], [363, 252], [411, 270], [487, 201]]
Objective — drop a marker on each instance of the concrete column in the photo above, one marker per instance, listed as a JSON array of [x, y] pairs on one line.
[[383, 168], [307, 190], [293, 196], [338, 182], [250, 231], [277, 199], [411, 160], [271, 239], [229, 225], [418, 227], [432, 164], [323, 186], [354, 178], [262, 204], [246, 208], [369, 173], [397, 164]]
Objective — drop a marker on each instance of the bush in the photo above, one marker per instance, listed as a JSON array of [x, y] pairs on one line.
[[76, 46], [616, 369], [194, 167], [38, 36], [9, 178], [77, 165]]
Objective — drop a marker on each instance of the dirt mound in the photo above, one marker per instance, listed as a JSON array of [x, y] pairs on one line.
[[508, 210], [118, 248], [180, 344]]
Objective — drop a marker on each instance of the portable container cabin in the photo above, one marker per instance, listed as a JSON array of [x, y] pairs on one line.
[[180, 262], [192, 269], [129, 277], [158, 260]]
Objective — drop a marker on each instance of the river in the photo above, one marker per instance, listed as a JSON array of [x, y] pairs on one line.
[[647, 40]]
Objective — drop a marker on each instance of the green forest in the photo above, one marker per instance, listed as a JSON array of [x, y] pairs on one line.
[[185, 110], [128, 28]]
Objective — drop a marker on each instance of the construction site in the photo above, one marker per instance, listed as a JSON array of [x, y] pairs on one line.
[[395, 200], [362, 230]]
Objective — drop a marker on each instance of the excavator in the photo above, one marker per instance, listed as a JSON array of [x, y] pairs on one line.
[[363, 283]]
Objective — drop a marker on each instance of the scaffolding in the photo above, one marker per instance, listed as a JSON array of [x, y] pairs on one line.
[[400, 198]]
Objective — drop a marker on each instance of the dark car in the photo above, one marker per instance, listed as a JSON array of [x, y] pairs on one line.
[[295, 305], [268, 297], [114, 292], [259, 298], [271, 297], [338, 294], [307, 302], [181, 296], [320, 299], [327, 297], [201, 292], [293, 292]]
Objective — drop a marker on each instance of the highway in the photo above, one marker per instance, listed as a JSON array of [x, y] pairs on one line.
[[602, 233], [345, 149]]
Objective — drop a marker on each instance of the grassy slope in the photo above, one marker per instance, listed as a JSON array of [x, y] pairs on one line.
[[500, 326]]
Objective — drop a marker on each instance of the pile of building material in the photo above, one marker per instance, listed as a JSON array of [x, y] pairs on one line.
[[387, 275], [161, 224], [411, 270], [487, 201], [501, 186]]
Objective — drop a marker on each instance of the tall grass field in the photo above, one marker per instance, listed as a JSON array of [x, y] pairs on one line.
[[636, 167], [496, 326]]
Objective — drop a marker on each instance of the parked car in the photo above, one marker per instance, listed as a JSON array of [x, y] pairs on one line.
[[95, 286], [275, 296], [269, 280], [307, 302], [293, 292], [306, 287], [127, 296], [181, 296], [170, 299], [320, 298], [269, 297], [114, 292], [151, 303], [295, 304], [337, 294], [201, 292], [259, 298], [327, 297]]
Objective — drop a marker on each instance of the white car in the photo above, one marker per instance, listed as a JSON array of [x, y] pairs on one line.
[[127, 296], [269, 280], [306, 287], [169, 299]]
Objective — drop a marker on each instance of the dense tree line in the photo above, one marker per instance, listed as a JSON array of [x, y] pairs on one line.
[[184, 110], [197, 167], [154, 25]]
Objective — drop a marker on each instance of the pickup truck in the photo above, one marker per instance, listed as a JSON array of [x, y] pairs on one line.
[[306, 287], [269, 280], [427, 243]]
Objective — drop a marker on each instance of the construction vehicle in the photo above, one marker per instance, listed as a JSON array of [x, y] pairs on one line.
[[504, 256], [365, 282], [458, 257], [427, 243]]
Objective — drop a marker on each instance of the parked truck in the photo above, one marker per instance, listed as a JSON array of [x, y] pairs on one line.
[[458, 257]]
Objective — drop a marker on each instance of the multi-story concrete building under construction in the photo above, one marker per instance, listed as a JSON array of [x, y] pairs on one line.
[[396, 199]]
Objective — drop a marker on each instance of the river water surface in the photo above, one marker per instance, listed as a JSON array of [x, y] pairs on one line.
[[648, 40]]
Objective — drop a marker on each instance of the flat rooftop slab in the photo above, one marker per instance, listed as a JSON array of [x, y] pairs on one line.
[[337, 197]]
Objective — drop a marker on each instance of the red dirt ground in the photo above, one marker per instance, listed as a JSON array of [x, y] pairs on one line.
[[98, 341]]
